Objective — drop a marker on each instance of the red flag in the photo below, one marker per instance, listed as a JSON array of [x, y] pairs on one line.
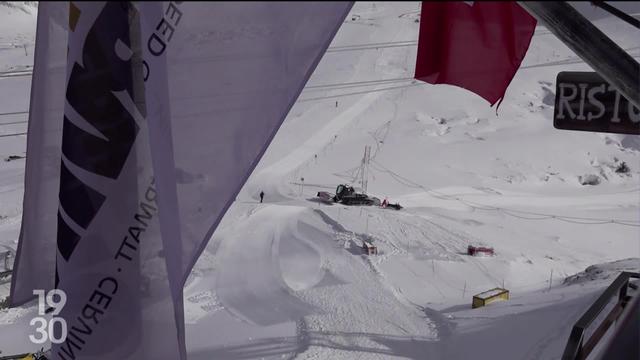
[[475, 45]]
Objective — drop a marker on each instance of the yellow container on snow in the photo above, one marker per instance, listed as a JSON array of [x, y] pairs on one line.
[[489, 296]]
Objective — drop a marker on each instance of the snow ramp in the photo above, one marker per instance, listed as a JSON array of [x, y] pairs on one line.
[[264, 261]]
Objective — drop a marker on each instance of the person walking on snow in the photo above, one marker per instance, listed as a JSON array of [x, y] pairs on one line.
[[261, 196]]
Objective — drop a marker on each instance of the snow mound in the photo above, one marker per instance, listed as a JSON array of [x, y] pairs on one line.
[[589, 179], [606, 271], [10, 316], [27, 7]]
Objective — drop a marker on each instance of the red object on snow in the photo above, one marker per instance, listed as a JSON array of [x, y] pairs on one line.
[[474, 45], [369, 249], [473, 251]]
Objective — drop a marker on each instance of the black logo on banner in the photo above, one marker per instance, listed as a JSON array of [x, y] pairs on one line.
[[90, 93]]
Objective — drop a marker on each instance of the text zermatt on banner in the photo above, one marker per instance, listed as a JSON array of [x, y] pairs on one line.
[[168, 108]]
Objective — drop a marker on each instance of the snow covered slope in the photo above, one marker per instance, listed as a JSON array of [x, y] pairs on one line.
[[287, 278], [17, 35]]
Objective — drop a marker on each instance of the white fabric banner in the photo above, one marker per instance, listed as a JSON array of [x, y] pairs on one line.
[[168, 107]]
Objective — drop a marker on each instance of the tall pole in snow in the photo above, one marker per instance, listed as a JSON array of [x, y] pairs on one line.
[[550, 279], [365, 168], [366, 231], [464, 289]]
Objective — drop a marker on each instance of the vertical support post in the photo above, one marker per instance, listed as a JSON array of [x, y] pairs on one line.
[[580, 355], [550, 279], [366, 230], [464, 289], [365, 168], [623, 291]]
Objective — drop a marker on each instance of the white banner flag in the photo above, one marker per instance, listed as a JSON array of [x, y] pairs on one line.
[[168, 107]]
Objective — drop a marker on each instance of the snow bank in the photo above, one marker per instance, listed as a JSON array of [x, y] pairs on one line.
[[606, 271]]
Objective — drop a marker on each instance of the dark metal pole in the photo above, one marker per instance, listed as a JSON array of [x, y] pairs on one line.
[[616, 12], [590, 44]]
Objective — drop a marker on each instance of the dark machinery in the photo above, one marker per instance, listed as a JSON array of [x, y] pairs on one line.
[[345, 194], [395, 206], [39, 355]]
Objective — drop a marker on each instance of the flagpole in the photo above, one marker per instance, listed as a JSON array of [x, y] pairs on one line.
[[590, 44]]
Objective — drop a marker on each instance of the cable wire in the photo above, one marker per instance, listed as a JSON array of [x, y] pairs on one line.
[[14, 122], [16, 134], [361, 92], [14, 113], [509, 212]]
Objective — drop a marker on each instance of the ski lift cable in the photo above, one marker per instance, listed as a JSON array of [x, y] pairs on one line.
[[14, 113], [371, 47], [361, 92], [301, 100], [17, 74], [9, 72], [525, 217], [553, 63], [560, 216], [15, 134], [626, 223], [348, 87], [358, 83], [354, 47], [592, 223], [573, 219], [487, 207], [380, 44], [547, 216], [398, 43], [479, 206], [14, 122], [388, 81]]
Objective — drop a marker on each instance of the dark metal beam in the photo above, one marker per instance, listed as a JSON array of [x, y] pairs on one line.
[[590, 44], [576, 347], [616, 12]]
